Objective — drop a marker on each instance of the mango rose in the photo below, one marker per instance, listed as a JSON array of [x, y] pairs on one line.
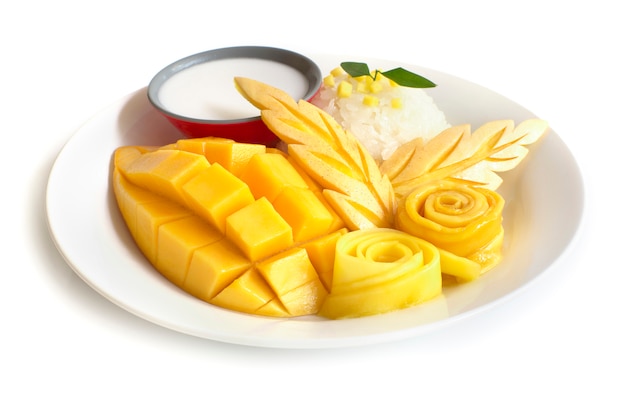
[[380, 270], [463, 220]]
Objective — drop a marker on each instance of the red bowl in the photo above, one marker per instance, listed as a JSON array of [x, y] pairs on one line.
[[247, 129]]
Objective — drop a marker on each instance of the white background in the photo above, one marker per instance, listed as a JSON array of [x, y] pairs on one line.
[[554, 350]]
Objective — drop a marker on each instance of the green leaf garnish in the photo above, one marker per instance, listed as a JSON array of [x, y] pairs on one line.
[[407, 78], [356, 69], [398, 75]]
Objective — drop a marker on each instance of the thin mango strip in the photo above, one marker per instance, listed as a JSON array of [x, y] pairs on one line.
[[381, 270], [462, 220]]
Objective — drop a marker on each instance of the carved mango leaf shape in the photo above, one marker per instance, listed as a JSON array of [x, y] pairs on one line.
[[352, 181], [474, 157]]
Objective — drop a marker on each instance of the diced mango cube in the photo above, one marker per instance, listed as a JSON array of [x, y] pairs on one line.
[[165, 171], [250, 293], [304, 212], [396, 103], [295, 281], [143, 212], [267, 174], [337, 71], [321, 253], [230, 154], [195, 145], [128, 197], [150, 217], [370, 101], [215, 193], [176, 243], [338, 222], [124, 156], [329, 81], [362, 87], [214, 267], [344, 89], [258, 230], [306, 299], [311, 184]]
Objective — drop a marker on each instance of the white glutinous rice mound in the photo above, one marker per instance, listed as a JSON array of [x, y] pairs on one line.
[[380, 114]]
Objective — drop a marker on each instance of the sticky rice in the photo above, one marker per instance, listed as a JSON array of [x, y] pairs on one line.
[[383, 118]]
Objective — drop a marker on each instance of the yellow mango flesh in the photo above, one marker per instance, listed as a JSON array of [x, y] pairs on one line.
[[250, 293], [213, 267], [176, 243], [231, 155], [292, 276], [244, 228], [304, 212], [165, 171], [259, 230], [381, 270], [215, 194], [144, 212], [463, 220], [201, 226], [267, 175], [321, 252]]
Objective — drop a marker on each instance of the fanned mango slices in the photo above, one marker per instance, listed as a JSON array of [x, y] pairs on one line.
[[458, 152], [256, 239]]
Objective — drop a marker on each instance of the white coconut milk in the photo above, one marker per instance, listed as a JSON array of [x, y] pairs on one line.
[[207, 90]]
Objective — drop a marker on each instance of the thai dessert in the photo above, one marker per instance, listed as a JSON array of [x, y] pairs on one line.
[[326, 225]]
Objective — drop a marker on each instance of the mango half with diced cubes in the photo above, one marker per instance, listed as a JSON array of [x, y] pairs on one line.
[[236, 225]]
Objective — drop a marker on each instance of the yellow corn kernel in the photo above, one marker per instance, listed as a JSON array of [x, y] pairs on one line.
[[344, 89], [370, 100], [336, 72], [329, 81], [396, 103]]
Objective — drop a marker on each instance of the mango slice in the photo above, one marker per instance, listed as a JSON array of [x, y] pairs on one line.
[[251, 294], [293, 278], [461, 219], [321, 252], [304, 212], [213, 267], [259, 230], [216, 194], [165, 171], [268, 174], [202, 227], [231, 155], [176, 242], [381, 270]]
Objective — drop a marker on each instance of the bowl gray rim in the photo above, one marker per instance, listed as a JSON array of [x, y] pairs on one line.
[[304, 64]]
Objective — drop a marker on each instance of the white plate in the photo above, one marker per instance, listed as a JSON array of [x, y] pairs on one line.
[[542, 216]]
